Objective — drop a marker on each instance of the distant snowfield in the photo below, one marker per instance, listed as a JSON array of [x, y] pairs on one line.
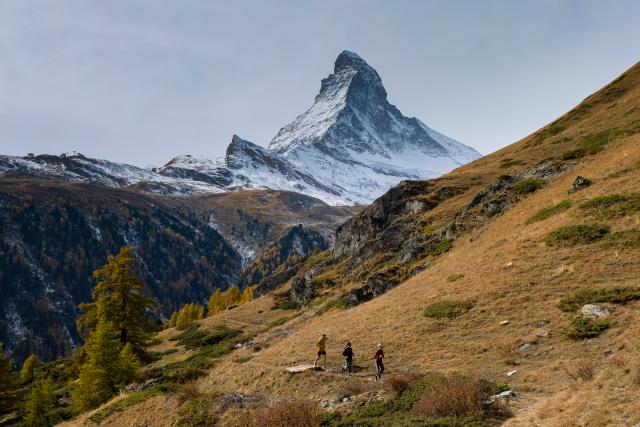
[[349, 148]]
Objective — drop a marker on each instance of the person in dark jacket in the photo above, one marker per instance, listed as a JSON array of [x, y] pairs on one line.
[[347, 353], [379, 361]]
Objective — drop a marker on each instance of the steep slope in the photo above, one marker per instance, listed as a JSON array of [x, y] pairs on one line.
[[350, 147], [53, 235], [355, 139], [249, 220], [485, 235]]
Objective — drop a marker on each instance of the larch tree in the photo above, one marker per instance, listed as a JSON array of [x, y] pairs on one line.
[[28, 368], [232, 296], [216, 303], [8, 382], [247, 294], [40, 405], [118, 296], [100, 374], [189, 313]]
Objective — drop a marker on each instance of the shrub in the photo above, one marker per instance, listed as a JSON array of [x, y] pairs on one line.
[[455, 277], [582, 371], [455, 396], [528, 185], [195, 338], [591, 144], [618, 295], [398, 384], [583, 327], [612, 205], [437, 248], [448, 309], [576, 234], [197, 411], [285, 305], [550, 211]]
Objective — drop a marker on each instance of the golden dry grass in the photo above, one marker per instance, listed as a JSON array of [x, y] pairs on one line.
[[509, 274]]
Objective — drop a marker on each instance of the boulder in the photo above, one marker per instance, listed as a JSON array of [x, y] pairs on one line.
[[594, 310], [505, 395], [579, 183]]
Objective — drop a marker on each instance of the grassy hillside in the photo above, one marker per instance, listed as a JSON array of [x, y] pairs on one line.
[[482, 272]]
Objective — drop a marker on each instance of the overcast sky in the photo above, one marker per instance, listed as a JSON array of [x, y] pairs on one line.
[[143, 81]]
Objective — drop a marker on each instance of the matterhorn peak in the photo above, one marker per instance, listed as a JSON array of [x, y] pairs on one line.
[[348, 59]]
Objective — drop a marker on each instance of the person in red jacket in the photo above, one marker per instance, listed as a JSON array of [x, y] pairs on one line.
[[379, 361]]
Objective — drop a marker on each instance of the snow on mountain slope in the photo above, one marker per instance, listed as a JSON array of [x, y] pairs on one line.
[[354, 139], [350, 147]]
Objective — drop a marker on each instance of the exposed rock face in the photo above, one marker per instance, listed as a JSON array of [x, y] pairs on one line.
[[281, 260], [348, 148], [579, 183], [302, 291]]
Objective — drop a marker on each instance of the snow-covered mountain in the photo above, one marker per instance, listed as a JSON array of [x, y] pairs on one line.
[[350, 147], [354, 139]]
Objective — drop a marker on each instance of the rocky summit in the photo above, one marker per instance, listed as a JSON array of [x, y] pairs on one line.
[[350, 147]]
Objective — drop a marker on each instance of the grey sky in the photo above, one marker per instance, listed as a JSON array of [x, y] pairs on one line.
[[143, 81]]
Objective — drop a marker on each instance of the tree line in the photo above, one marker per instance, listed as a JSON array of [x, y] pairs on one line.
[[117, 329]]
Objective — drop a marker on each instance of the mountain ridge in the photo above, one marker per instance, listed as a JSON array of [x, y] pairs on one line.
[[348, 148]]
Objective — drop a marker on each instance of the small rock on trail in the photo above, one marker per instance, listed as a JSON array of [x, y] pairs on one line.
[[302, 368]]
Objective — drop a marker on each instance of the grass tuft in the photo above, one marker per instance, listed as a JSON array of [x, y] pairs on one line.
[[620, 295], [576, 234], [591, 144], [612, 205], [584, 327], [447, 309], [549, 211], [437, 248], [455, 277], [528, 185]]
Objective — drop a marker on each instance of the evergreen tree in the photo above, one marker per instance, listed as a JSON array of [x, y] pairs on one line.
[[118, 297], [189, 313], [128, 364], [216, 303], [28, 368], [8, 382], [247, 294], [172, 320], [232, 296], [40, 405], [100, 373]]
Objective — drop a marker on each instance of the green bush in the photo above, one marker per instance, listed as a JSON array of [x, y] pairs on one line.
[[583, 327], [528, 185], [437, 248], [576, 234], [591, 144], [620, 295], [455, 277], [197, 411], [549, 211], [612, 205], [195, 338], [447, 309]]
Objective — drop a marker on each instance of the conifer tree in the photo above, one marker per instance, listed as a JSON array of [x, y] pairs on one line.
[[128, 364], [232, 296], [172, 320], [118, 296], [189, 313], [216, 303], [247, 294], [40, 405], [100, 373], [28, 368], [8, 382]]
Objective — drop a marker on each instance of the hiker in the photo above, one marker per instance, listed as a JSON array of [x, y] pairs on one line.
[[321, 347], [379, 360], [347, 353]]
